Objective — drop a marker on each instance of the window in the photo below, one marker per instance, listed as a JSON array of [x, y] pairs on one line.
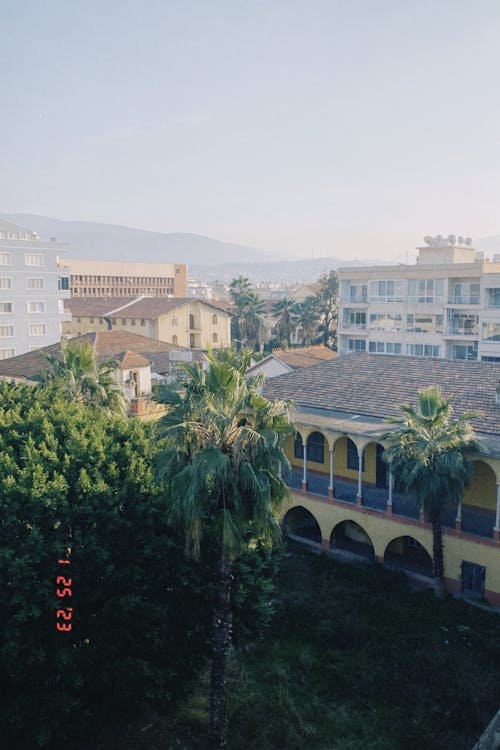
[[124, 321], [298, 446], [425, 290], [132, 322], [6, 331], [63, 283], [36, 307], [215, 338], [37, 329], [214, 319], [5, 259], [191, 321], [491, 331], [384, 347], [465, 293], [353, 457], [175, 340], [33, 282], [354, 318], [5, 307], [388, 290], [473, 576], [5, 282], [6, 353], [422, 323], [33, 259], [316, 448], [386, 321], [464, 351], [493, 298], [174, 320], [423, 350], [356, 345]]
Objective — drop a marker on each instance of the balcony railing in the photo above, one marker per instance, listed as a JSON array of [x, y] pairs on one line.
[[353, 326], [471, 299], [462, 331], [474, 520]]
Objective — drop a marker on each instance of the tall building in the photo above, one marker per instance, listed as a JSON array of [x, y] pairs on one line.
[[32, 290], [114, 278], [447, 305]]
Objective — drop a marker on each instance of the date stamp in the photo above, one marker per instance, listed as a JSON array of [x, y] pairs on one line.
[[63, 589]]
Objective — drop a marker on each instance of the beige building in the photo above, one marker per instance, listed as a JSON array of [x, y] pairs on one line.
[[109, 278], [187, 322], [447, 305]]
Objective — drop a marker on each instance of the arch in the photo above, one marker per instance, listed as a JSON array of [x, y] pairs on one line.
[[191, 340], [374, 467], [299, 522], [298, 446], [191, 321], [316, 447], [214, 319], [482, 491], [351, 537], [406, 553], [345, 458], [175, 340], [215, 338]]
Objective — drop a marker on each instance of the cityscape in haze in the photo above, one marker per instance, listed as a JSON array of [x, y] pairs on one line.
[[250, 375]]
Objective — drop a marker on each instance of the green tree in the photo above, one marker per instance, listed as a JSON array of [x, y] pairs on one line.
[[427, 454], [77, 375], [327, 298], [247, 326], [308, 317], [221, 472], [285, 311]]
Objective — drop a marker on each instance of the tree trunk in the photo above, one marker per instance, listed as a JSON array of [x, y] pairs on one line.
[[221, 640], [437, 556]]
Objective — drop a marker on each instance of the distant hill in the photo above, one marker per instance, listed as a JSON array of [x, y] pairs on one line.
[[113, 242], [288, 271]]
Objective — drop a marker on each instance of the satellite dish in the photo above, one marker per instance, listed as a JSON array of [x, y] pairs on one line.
[[451, 239], [460, 240], [428, 239], [439, 238], [468, 240]]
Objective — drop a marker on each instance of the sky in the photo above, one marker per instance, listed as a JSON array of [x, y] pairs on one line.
[[346, 128]]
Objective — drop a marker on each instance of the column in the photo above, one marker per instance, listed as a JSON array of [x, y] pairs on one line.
[[496, 530], [389, 499], [304, 475], [458, 519], [331, 489], [359, 496]]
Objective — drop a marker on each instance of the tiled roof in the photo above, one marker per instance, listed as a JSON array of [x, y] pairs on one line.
[[127, 359], [106, 344], [126, 307], [304, 357], [375, 385]]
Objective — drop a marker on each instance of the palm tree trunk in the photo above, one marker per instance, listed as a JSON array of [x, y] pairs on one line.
[[437, 556], [221, 640]]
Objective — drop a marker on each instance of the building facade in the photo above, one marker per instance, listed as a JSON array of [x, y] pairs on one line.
[[343, 496], [447, 305], [108, 278], [188, 323], [32, 290]]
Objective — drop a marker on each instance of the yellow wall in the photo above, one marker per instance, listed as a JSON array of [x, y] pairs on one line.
[[482, 491], [339, 461], [382, 530]]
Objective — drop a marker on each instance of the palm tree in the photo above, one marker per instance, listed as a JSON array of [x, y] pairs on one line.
[[308, 317], [224, 445], [78, 376], [286, 317], [427, 455], [247, 325]]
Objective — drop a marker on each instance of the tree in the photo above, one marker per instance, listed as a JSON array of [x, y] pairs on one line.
[[76, 374], [427, 455], [327, 297], [308, 317], [286, 314], [220, 466], [247, 323]]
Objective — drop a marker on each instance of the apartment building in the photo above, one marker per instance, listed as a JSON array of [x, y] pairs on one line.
[[446, 305], [32, 290], [108, 278]]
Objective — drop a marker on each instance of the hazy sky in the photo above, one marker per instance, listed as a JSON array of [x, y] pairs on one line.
[[348, 128]]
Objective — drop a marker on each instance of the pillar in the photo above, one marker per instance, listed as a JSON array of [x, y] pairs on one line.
[[359, 496], [496, 530], [304, 475], [331, 488], [389, 499], [458, 519]]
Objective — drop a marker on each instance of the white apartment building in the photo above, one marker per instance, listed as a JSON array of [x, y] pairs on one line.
[[446, 305], [32, 291]]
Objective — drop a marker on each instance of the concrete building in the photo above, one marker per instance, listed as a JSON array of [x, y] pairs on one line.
[[187, 322], [32, 290], [343, 495], [109, 278], [447, 305]]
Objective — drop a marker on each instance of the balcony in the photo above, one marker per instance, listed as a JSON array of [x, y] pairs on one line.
[[458, 330], [474, 520], [348, 326], [471, 299]]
